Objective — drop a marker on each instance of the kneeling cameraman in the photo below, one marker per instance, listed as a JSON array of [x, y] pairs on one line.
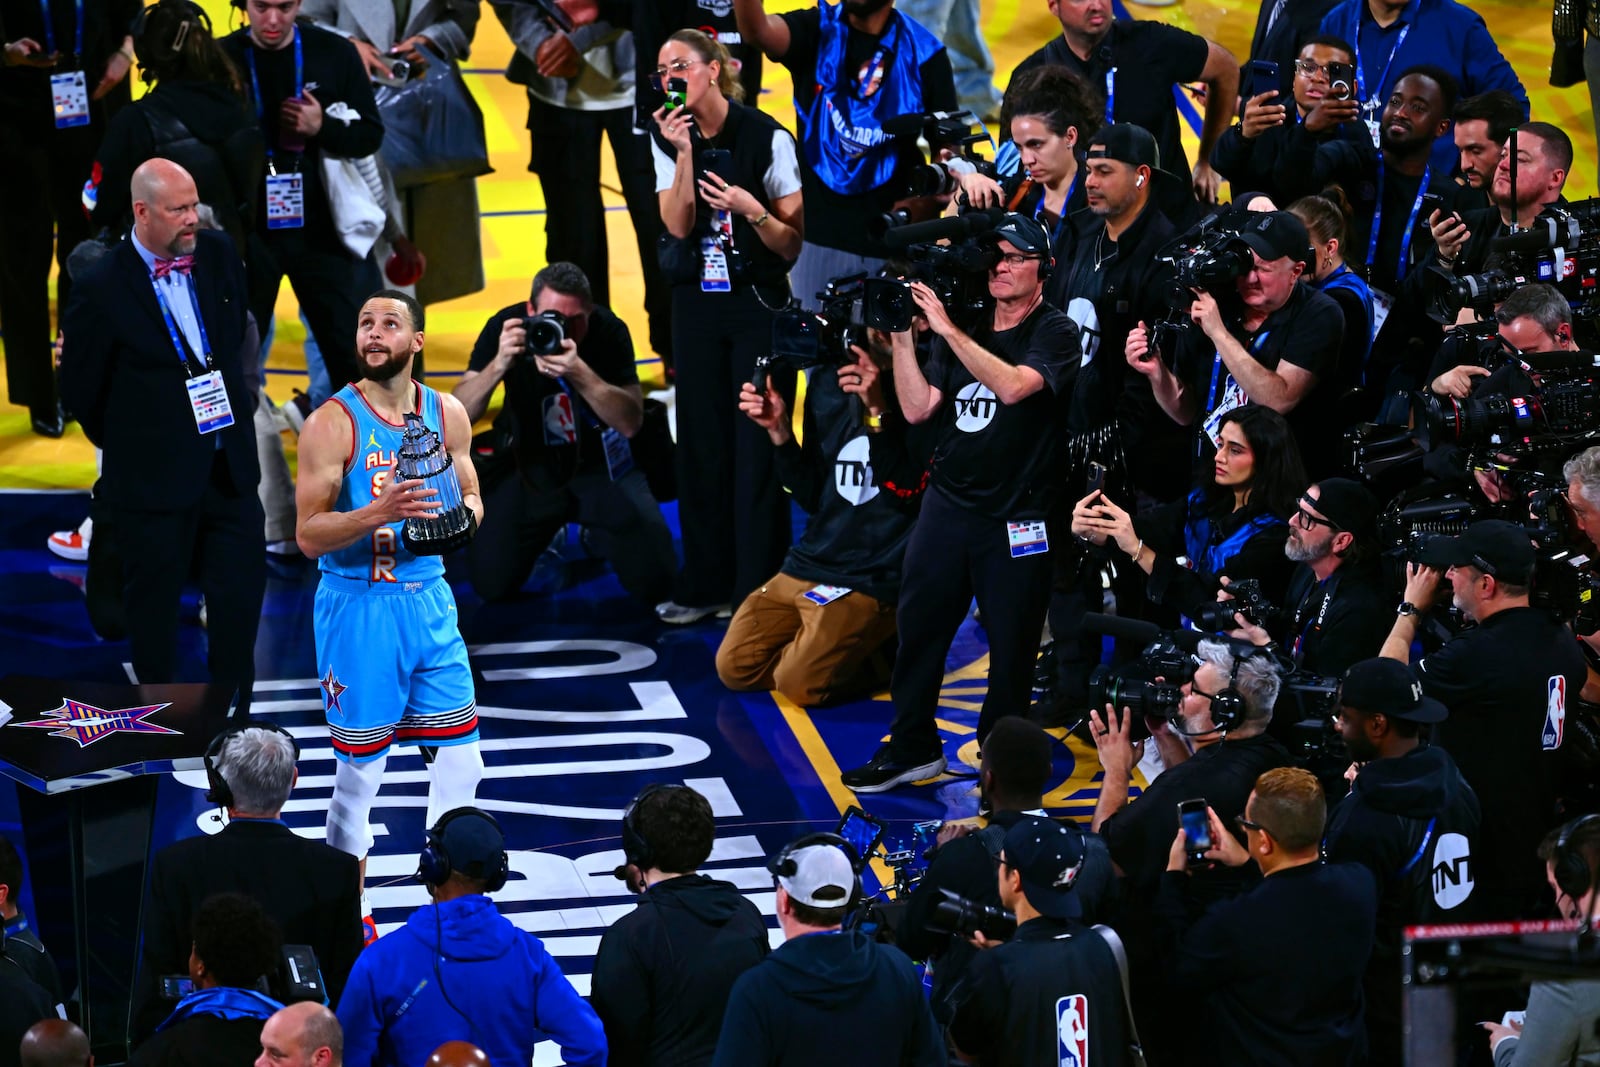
[[559, 450]]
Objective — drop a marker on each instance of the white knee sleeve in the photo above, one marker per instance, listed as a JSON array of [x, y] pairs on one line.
[[453, 779], [355, 787]]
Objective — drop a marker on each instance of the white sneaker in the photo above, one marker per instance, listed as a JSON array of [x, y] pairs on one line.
[[675, 614], [72, 544]]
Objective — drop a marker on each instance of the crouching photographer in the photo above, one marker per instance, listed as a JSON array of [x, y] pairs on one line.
[[560, 448]]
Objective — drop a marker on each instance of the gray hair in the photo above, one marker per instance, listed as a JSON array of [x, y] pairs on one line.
[[1257, 678], [1584, 468], [258, 766], [1542, 303]]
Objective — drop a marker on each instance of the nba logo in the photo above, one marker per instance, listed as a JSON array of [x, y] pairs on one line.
[[1072, 1030], [559, 426], [1555, 712]]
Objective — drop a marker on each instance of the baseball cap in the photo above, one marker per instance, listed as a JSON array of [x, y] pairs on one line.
[[1387, 686], [1494, 546], [1125, 143], [1026, 234], [1275, 234], [1047, 856], [1349, 505], [473, 843], [822, 878]]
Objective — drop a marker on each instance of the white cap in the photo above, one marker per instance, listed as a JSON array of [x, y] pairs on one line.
[[822, 877]]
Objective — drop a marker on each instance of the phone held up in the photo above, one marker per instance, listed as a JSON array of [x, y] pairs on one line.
[[677, 93], [1196, 830]]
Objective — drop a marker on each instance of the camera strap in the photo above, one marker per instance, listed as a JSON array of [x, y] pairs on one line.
[[1304, 627]]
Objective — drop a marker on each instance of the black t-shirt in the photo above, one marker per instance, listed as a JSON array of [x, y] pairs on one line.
[[832, 220], [1002, 460], [1149, 58], [1332, 624], [554, 432], [654, 22]]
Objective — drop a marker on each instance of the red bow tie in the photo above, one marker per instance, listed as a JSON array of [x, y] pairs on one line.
[[181, 264]]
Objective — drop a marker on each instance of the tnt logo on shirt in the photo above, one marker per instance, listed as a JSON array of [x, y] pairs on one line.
[[560, 428], [852, 472], [1451, 871], [976, 407], [1084, 313], [1555, 712], [1072, 1030]]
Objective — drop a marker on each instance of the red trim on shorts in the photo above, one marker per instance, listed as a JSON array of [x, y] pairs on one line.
[[371, 748], [460, 732]]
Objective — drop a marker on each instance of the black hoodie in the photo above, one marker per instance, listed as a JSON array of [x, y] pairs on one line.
[[663, 971]]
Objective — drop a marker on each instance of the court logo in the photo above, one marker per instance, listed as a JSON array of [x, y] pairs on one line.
[[86, 724], [1072, 1030], [852, 472], [976, 407], [1451, 870]]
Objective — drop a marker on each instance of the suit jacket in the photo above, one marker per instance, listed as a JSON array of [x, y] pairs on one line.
[[312, 890], [1300, 19], [121, 378], [449, 24]]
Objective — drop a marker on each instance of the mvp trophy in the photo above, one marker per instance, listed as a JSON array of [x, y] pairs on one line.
[[422, 456]]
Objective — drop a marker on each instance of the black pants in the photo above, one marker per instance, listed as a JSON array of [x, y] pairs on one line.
[[220, 540], [566, 157], [953, 555], [731, 506], [623, 522], [41, 188], [330, 284]]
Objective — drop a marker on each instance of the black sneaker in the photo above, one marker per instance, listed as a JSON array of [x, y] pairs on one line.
[[884, 771]]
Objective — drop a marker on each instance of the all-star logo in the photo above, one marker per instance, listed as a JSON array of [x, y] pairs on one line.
[[86, 724], [332, 688]]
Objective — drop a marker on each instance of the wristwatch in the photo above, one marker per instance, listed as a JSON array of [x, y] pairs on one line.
[[761, 220], [1407, 608]]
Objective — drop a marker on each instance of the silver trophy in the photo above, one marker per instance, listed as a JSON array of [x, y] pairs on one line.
[[423, 456]]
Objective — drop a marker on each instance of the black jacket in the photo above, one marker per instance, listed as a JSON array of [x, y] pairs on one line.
[[310, 889], [1327, 626], [25, 91], [23, 947], [664, 971], [23, 1002], [122, 380], [203, 1041]]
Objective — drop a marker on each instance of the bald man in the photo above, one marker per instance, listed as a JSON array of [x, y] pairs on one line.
[[458, 1054], [151, 368], [302, 1035], [55, 1043]]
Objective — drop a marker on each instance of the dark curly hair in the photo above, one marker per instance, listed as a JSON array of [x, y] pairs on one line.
[[236, 939], [678, 824], [172, 41], [1057, 96]]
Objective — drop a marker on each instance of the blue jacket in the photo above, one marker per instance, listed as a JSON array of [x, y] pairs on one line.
[[1445, 33], [489, 983]]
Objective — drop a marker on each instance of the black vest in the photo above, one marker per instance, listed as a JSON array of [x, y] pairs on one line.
[[226, 173]]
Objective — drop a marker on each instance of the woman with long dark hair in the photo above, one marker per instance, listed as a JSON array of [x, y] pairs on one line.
[[729, 190], [1232, 525]]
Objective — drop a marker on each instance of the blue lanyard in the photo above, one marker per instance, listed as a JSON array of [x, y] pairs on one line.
[[1411, 223], [255, 86], [1216, 365], [1111, 95], [1061, 222], [172, 325], [50, 29], [1361, 78]]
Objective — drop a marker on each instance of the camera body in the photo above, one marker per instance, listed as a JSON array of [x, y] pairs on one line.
[[1133, 685], [959, 917], [546, 332], [1210, 258], [1561, 248], [1247, 601]]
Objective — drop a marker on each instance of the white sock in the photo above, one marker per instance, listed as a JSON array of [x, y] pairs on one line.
[[453, 779], [355, 787]]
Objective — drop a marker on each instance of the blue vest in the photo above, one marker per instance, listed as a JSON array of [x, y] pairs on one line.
[[1346, 278], [1207, 554], [382, 556], [843, 139]]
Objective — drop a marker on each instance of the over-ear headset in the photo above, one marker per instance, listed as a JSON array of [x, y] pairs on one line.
[[190, 14], [1571, 869], [635, 848], [434, 864], [1047, 266], [218, 791], [1228, 709]]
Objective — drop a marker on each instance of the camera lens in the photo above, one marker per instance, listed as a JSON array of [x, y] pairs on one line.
[[545, 334]]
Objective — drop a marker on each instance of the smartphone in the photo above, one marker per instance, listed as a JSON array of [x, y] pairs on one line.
[[718, 161], [1097, 477], [1196, 829], [176, 986], [1431, 202], [1341, 76], [677, 93], [862, 831], [1264, 78]]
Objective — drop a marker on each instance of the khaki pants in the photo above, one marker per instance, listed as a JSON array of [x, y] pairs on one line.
[[810, 653]]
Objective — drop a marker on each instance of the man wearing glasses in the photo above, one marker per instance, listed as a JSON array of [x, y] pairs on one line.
[[1506, 683], [1410, 818], [1337, 609]]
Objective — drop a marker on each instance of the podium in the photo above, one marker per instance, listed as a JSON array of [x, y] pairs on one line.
[[89, 756]]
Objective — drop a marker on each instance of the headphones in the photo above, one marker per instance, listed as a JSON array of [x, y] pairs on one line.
[[1571, 869], [635, 848], [1138, 181], [218, 791], [191, 15], [783, 864], [434, 865], [1228, 709], [1047, 267]]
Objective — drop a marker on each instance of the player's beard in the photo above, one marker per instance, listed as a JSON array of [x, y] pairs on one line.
[[386, 370]]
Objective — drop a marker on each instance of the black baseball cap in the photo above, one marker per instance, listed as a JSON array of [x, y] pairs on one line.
[[1276, 234], [1125, 143], [1389, 687], [1047, 856], [1494, 546], [1349, 505], [1025, 233]]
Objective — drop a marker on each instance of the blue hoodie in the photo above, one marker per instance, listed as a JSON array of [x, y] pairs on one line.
[[493, 985]]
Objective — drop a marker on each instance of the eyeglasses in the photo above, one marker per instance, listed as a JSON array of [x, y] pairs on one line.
[[676, 67], [1245, 824], [1001, 861], [1308, 520], [1016, 259], [1310, 68]]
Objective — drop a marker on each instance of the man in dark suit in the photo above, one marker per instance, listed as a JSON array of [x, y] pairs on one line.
[[150, 366], [312, 890], [1282, 28]]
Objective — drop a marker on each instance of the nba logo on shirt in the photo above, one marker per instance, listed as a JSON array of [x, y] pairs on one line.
[[1555, 712], [1072, 1030], [559, 426]]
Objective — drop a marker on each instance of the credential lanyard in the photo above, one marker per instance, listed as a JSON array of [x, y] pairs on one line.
[[172, 326], [1111, 95], [1061, 222], [50, 29], [255, 85], [1216, 366], [1361, 78], [1411, 223]]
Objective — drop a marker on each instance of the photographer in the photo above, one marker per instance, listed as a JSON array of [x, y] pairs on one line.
[[1337, 608], [1410, 818], [1464, 244], [558, 452], [996, 398], [1283, 340], [1506, 683], [1280, 966], [812, 630], [1037, 997], [1535, 318], [730, 198]]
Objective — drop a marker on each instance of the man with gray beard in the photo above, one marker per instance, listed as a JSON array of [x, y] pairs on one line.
[[1336, 611]]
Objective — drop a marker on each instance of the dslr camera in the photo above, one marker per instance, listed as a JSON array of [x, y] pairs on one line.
[[1133, 685], [960, 917], [1247, 600], [546, 331]]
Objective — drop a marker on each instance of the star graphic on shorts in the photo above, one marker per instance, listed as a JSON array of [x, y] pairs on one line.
[[86, 724], [331, 689]]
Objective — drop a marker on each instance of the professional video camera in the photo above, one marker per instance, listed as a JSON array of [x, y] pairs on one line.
[[944, 129], [1541, 395], [1211, 257], [803, 339], [1561, 248], [958, 273]]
